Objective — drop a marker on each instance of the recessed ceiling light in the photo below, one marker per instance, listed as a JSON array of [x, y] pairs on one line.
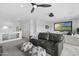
[[5, 27]]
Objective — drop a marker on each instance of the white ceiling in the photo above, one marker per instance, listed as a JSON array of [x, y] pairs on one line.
[[16, 11]]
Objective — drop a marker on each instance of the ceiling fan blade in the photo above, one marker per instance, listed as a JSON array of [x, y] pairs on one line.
[[33, 4], [32, 10], [44, 5]]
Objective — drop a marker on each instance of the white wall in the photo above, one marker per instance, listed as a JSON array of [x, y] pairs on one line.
[[11, 26], [34, 26], [75, 24], [25, 25], [37, 26], [29, 27], [41, 26]]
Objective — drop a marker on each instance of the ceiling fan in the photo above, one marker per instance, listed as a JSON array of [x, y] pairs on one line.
[[40, 5]]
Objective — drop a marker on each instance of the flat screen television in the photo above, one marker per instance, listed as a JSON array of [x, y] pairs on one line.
[[63, 26]]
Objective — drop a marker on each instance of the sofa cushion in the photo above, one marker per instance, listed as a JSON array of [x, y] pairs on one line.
[[49, 44], [43, 36], [55, 37]]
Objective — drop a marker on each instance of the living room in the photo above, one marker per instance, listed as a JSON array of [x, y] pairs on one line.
[[21, 23]]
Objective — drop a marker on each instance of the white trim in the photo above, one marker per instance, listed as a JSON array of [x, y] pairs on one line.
[[20, 37]]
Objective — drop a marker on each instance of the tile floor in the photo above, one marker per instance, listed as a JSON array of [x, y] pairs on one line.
[[70, 50]]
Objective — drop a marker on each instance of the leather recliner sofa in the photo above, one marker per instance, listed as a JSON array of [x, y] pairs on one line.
[[52, 42]]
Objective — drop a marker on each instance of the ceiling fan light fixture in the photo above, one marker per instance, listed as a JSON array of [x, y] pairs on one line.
[[35, 6], [51, 15]]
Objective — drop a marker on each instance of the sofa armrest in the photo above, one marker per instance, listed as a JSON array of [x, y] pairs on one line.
[[34, 42], [58, 48]]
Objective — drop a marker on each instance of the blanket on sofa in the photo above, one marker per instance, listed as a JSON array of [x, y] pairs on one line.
[[31, 50]]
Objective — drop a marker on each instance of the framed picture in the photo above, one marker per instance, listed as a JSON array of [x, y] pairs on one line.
[[46, 27]]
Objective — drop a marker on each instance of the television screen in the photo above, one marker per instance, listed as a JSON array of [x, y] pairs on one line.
[[63, 26]]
